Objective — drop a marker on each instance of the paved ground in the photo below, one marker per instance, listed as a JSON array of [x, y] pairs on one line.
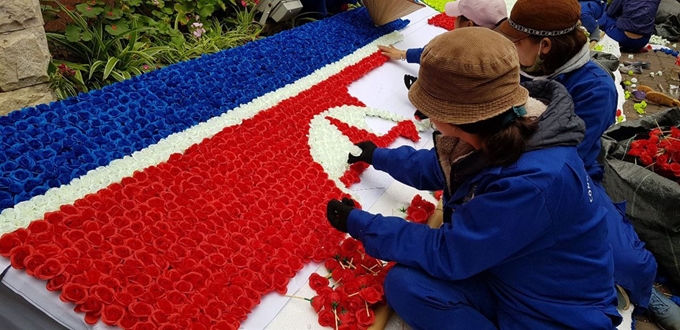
[[659, 61]]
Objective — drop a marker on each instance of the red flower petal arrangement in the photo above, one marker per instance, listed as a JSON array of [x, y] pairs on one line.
[[443, 21], [660, 152], [419, 210], [196, 241], [350, 301]]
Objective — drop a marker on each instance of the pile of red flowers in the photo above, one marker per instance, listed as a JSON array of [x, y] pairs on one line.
[[358, 288], [419, 210], [660, 152], [443, 21]]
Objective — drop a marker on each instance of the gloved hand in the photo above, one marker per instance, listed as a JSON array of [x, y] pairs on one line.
[[367, 149], [337, 213]]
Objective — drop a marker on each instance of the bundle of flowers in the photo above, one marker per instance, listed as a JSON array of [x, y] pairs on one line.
[[660, 152], [357, 288], [419, 210]]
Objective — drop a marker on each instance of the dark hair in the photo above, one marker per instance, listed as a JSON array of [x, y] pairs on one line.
[[502, 144], [467, 20], [563, 48]]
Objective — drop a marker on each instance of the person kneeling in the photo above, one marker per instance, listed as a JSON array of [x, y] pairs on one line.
[[523, 244]]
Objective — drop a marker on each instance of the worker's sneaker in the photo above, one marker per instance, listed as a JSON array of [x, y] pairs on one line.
[[664, 311]]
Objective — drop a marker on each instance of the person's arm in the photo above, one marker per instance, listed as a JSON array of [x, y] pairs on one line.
[[508, 217], [413, 55], [410, 55], [595, 103], [419, 169]]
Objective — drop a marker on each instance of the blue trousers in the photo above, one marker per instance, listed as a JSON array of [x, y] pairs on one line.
[[634, 266], [425, 302], [608, 25]]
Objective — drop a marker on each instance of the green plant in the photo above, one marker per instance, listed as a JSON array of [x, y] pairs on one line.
[[99, 54], [217, 36]]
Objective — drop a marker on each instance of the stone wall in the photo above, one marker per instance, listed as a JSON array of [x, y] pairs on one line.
[[24, 56]]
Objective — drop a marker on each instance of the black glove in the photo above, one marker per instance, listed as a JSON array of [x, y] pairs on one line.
[[409, 80], [337, 213], [367, 149]]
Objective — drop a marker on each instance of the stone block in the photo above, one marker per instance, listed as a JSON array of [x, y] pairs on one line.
[[24, 57], [28, 96], [19, 14]]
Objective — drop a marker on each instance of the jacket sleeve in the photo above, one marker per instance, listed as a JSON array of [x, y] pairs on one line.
[[419, 169], [413, 55], [595, 104], [492, 227]]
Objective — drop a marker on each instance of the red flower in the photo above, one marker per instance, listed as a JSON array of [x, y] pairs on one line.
[[317, 281], [140, 309], [103, 293], [38, 226], [371, 295], [8, 241], [91, 305], [18, 254], [318, 302], [32, 262], [365, 317], [327, 318], [58, 281], [49, 269], [73, 292]]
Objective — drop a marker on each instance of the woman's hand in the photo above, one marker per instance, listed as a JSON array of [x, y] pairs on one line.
[[393, 52]]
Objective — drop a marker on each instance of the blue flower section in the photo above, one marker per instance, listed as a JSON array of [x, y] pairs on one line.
[[49, 145]]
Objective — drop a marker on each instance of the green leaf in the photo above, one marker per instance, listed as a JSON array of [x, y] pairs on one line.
[[117, 28], [206, 10], [86, 10], [168, 10], [110, 64], [94, 66], [134, 3], [86, 36], [117, 76], [113, 13], [72, 33], [79, 78]]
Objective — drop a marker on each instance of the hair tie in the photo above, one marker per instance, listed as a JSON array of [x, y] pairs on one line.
[[512, 114]]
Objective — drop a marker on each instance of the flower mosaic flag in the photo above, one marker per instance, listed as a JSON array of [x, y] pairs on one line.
[[178, 198]]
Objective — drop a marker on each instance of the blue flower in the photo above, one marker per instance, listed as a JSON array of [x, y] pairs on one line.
[[20, 175], [6, 200], [25, 162]]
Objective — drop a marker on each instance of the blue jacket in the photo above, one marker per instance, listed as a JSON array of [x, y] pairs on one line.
[[413, 55], [531, 228], [595, 100], [635, 16], [591, 10]]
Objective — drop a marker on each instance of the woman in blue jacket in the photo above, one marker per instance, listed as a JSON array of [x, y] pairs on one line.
[[523, 245], [551, 46], [630, 22]]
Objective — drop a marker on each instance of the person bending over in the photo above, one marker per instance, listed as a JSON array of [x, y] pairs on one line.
[[524, 243]]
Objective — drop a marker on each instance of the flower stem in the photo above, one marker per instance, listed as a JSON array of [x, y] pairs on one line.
[[335, 312], [297, 297]]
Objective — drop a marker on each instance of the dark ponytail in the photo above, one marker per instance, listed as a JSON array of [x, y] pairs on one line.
[[503, 142]]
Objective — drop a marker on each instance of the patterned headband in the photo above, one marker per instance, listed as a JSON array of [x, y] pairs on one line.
[[542, 33]]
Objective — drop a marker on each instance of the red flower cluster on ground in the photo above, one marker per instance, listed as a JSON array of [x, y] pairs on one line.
[[443, 21], [660, 152], [419, 210], [348, 304]]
